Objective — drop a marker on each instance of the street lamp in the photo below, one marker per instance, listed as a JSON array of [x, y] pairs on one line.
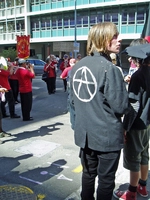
[[75, 29]]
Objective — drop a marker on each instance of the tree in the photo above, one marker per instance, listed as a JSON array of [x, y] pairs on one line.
[[10, 53]]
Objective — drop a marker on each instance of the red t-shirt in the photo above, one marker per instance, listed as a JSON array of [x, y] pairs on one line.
[[4, 79], [65, 72], [24, 77], [64, 65], [50, 68]]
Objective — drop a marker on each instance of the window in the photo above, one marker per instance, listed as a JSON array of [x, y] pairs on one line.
[[99, 16], [20, 25], [78, 22], [93, 17], [71, 22], [59, 21], [85, 19], [107, 16], [54, 22], [124, 16], [140, 15], [131, 16], [66, 21], [115, 16]]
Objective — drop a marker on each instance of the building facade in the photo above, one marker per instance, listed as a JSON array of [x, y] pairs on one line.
[[54, 25]]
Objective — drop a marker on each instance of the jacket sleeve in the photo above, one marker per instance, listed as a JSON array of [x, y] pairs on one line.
[[115, 91]]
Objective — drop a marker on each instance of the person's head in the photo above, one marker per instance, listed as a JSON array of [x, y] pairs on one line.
[[136, 42], [103, 38], [79, 57], [72, 62], [66, 57], [47, 60], [22, 62]]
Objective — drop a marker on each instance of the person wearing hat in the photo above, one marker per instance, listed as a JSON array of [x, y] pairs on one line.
[[4, 74], [25, 74], [63, 66], [78, 58], [137, 125]]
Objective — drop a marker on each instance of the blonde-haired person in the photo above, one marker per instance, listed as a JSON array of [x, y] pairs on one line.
[[99, 98]]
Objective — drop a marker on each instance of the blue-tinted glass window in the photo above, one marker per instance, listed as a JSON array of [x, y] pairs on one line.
[[93, 17], [99, 16], [140, 15], [54, 22], [114, 16], [124, 16], [79, 20], [59, 21]]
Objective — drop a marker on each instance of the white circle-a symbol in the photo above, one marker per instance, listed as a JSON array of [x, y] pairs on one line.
[[83, 78]]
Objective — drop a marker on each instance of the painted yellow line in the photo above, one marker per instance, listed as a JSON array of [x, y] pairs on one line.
[[77, 169]]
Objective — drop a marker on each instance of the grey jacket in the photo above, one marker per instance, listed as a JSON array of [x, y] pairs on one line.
[[99, 98]]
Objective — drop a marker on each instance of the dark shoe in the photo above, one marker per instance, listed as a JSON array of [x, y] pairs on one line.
[[4, 134], [16, 102], [15, 116], [4, 116], [1, 142], [30, 119]]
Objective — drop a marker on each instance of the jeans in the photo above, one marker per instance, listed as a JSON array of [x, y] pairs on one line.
[[101, 164]]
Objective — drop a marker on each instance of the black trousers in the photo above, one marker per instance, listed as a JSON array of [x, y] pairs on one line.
[[11, 103], [51, 84], [26, 104], [101, 164], [65, 84], [14, 84]]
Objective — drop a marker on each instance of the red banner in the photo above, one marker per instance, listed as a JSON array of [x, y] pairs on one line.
[[23, 46]]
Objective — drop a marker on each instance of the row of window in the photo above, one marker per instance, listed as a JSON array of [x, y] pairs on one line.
[[123, 15], [10, 3], [12, 26], [126, 16]]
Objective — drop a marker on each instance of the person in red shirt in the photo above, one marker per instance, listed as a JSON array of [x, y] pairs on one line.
[[14, 84], [50, 67], [25, 74], [4, 74], [65, 72], [63, 66]]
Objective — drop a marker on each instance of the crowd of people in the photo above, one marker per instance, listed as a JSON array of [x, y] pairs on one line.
[[106, 116], [16, 79]]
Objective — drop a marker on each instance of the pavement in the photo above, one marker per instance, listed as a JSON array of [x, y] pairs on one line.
[[57, 119]]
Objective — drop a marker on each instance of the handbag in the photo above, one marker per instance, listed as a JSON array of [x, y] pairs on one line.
[[45, 76]]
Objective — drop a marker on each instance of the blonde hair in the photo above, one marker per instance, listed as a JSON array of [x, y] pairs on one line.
[[100, 36]]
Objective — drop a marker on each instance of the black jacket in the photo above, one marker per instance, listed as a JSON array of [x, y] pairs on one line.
[[100, 98]]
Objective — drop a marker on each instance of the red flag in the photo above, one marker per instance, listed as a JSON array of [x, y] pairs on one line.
[[146, 29], [23, 46]]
